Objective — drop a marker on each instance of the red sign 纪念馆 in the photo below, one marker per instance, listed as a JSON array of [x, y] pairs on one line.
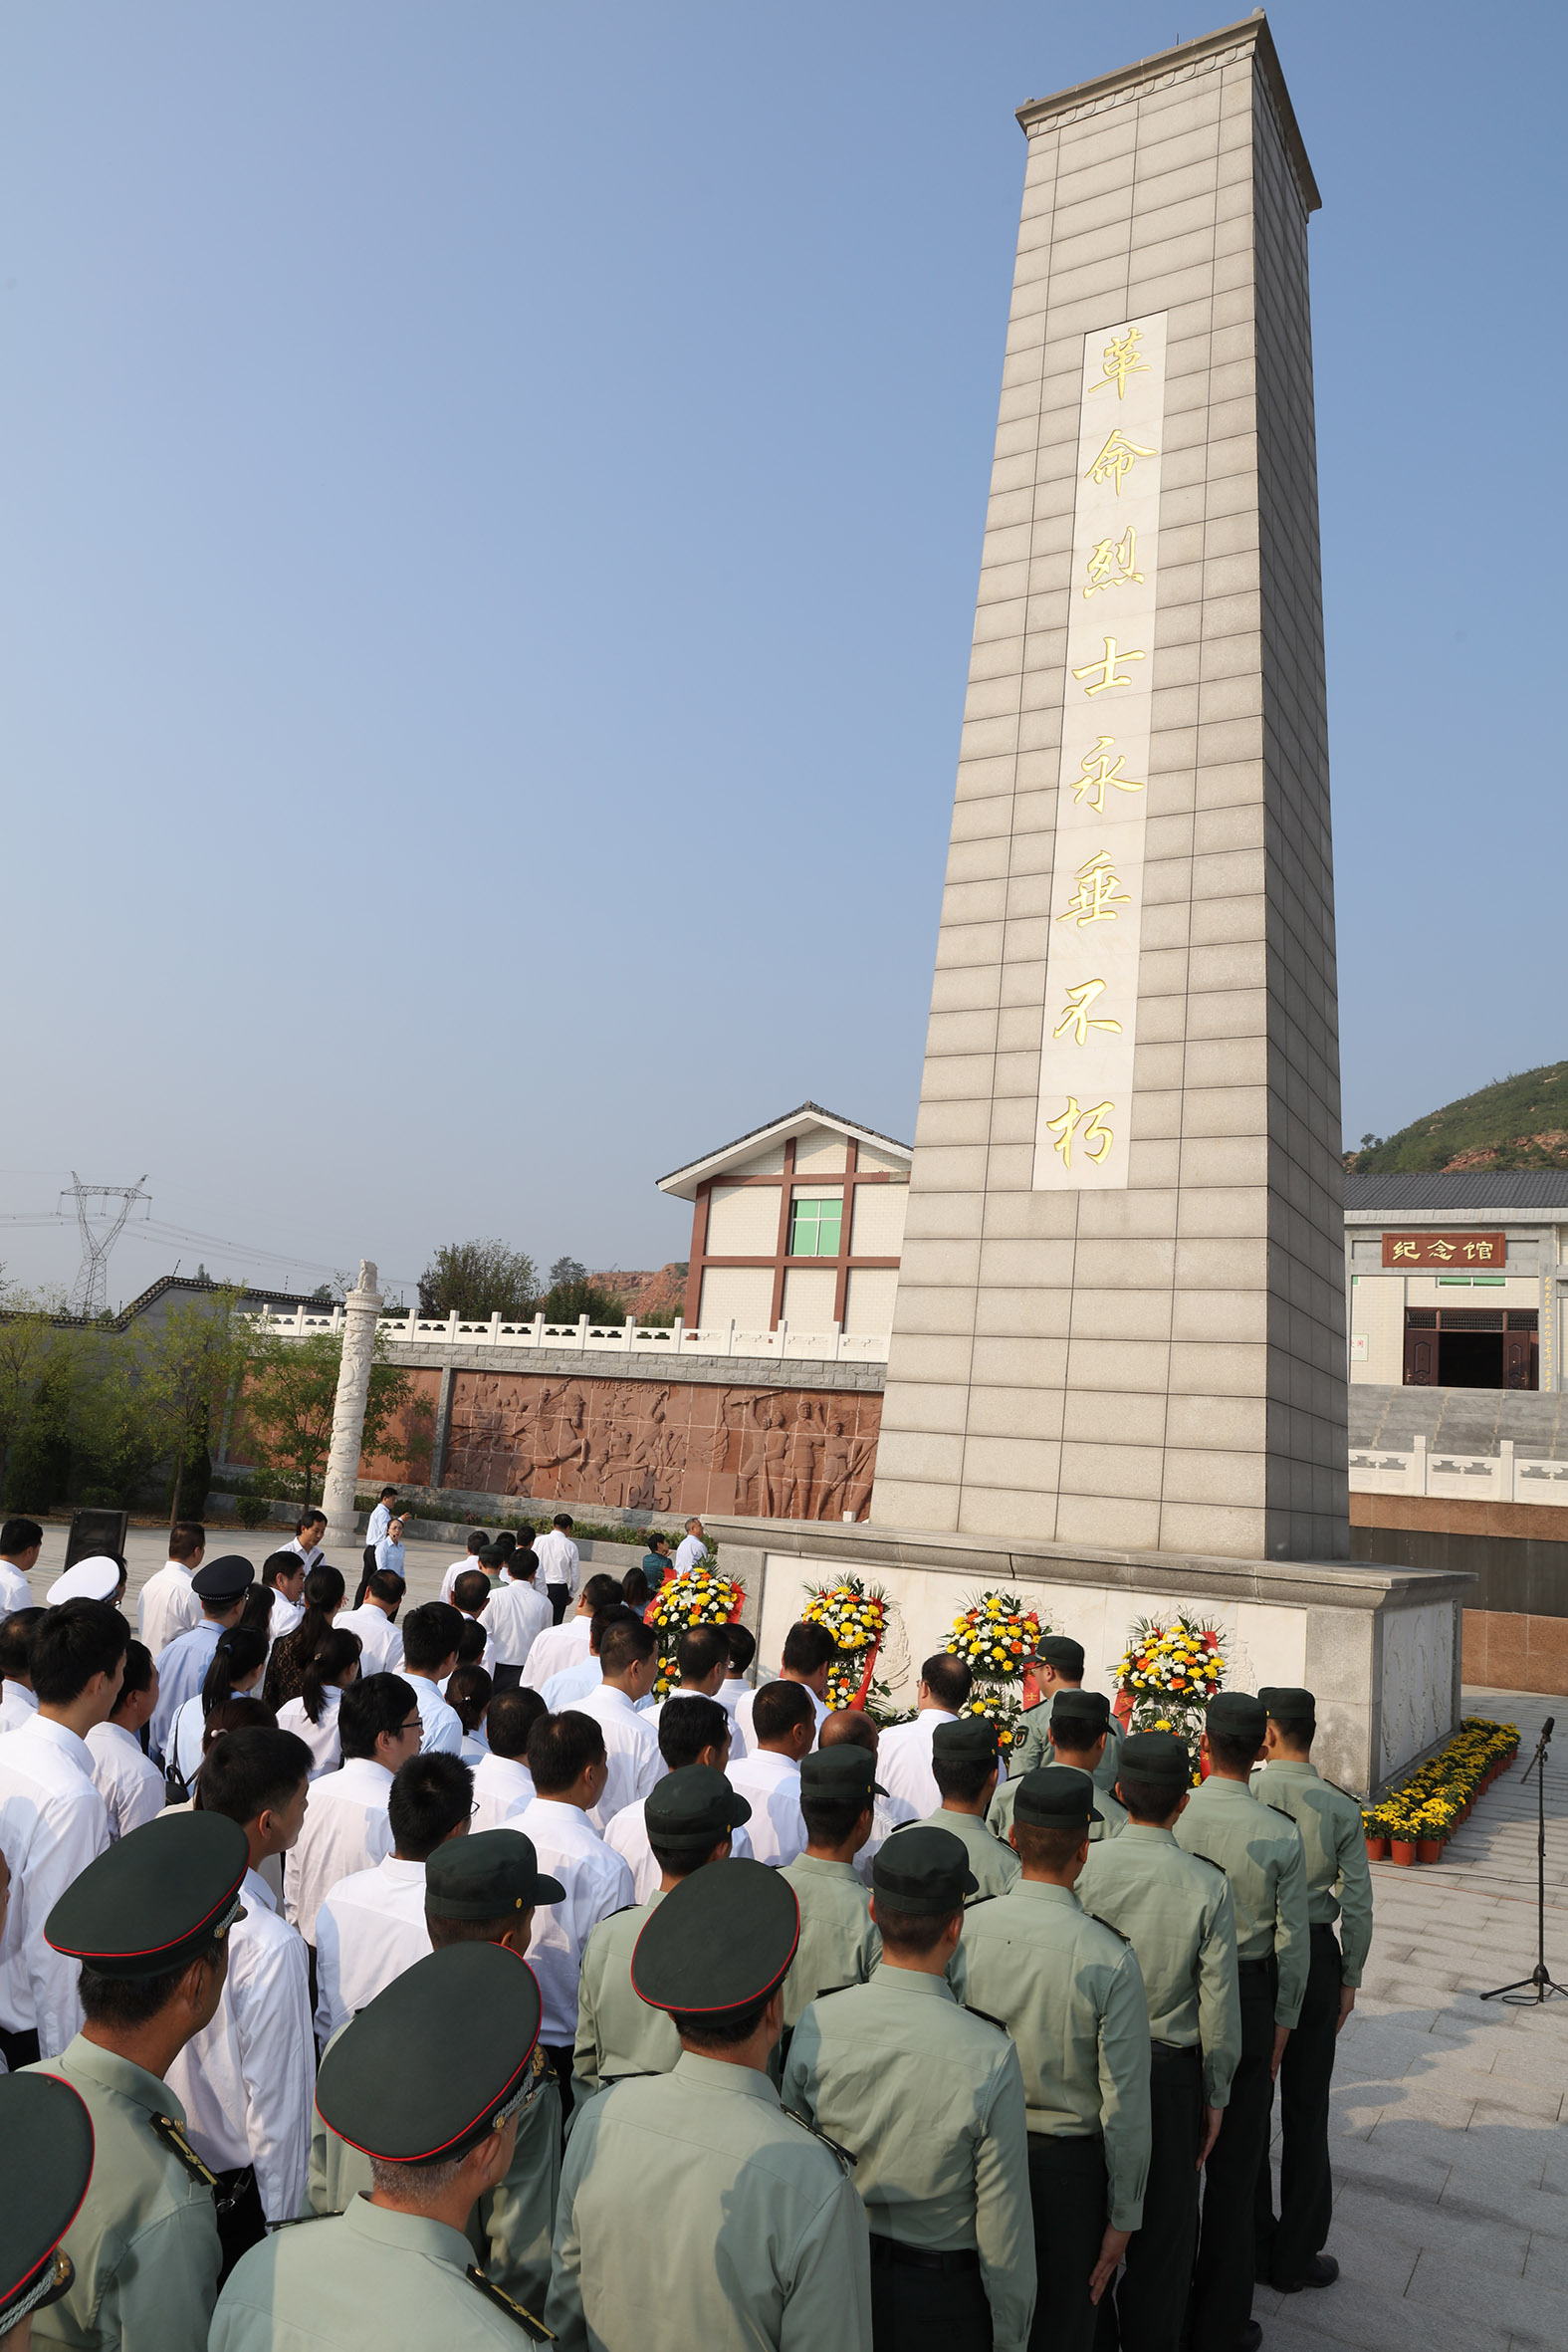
[[1460, 1253]]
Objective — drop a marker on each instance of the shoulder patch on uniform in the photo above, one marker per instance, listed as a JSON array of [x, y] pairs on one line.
[[531, 2327], [847, 2161], [985, 2018], [168, 2131], [1115, 1930]]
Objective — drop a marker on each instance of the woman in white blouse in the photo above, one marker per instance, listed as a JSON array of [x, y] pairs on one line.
[[238, 1664], [312, 1717]]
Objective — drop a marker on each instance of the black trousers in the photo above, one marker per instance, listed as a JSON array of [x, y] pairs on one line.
[[1222, 2297], [1285, 2249], [926, 2302], [366, 1573], [558, 1596], [507, 1678], [560, 2056], [19, 2049], [1151, 2295], [241, 2221], [1067, 2202]]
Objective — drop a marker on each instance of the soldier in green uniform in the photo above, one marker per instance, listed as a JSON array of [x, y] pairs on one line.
[[428, 2082], [689, 1815], [1260, 1854], [757, 2236], [150, 1922], [1080, 1723], [1069, 1989], [839, 1943], [1058, 1666], [46, 2162], [964, 1766], [480, 1889], [1339, 1886], [1177, 1916], [929, 2099]]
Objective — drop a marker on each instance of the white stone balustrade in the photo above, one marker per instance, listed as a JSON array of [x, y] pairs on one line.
[[1503, 1477], [584, 1337]]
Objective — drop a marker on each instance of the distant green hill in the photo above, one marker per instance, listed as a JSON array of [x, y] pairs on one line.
[[1516, 1122]]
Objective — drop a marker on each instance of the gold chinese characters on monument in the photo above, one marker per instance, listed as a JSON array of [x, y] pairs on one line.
[[1084, 1121]]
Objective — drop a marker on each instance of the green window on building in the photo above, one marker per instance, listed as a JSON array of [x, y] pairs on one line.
[[815, 1227]]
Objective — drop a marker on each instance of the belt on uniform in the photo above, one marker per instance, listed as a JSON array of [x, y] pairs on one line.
[[891, 2253], [1256, 1968], [1324, 1927], [1168, 2053]]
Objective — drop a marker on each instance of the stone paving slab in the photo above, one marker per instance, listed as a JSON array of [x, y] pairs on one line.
[[1450, 2156]]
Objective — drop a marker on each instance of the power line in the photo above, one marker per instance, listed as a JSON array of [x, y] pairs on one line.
[[89, 1291]]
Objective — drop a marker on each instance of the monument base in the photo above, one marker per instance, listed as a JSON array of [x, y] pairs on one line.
[[1379, 1646]]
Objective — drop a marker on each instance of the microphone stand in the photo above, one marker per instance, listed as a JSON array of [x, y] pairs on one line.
[[1540, 1976]]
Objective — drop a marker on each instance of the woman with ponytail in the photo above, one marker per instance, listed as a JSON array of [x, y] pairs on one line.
[[237, 1666], [324, 1597], [312, 1716]]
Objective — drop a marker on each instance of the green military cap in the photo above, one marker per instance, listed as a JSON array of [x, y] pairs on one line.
[[1157, 1759], [844, 1771], [440, 2059], [486, 1875], [1077, 1717], [923, 1873], [720, 1943], [693, 1809], [223, 1581], [1295, 1706], [1237, 1715], [46, 2162], [1061, 1651], [157, 1899], [968, 1741], [1055, 1796]]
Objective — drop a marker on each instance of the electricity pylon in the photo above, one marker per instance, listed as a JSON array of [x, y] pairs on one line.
[[89, 1291]]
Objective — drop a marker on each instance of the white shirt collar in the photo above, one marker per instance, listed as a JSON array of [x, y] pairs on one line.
[[256, 1890], [43, 1726], [399, 1873]]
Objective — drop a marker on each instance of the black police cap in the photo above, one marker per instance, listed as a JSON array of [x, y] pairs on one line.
[[223, 1581], [969, 1740], [842, 1773], [693, 1809], [1077, 1717], [154, 1899], [1237, 1715], [46, 2162], [486, 1875], [720, 1943], [440, 2059], [923, 1873], [1055, 1796]]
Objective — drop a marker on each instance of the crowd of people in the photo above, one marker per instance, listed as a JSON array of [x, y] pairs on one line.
[[551, 2006]]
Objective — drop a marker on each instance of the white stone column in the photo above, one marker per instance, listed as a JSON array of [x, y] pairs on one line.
[[360, 1310]]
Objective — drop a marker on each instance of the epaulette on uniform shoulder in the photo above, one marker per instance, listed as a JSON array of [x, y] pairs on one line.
[[975, 1901], [985, 2018], [1357, 1801], [1197, 1857], [847, 2161], [848, 1986], [1115, 1930], [174, 2140], [534, 2328], [333, 2213]]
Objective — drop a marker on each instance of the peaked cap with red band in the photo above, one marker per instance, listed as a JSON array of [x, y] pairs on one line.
[[720, 1943], [46, 2162], [440, 2059], [154, 1899]]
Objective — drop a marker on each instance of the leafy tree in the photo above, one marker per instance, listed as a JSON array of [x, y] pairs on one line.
[[289, 1398], [568, 1270], [180, 1377], [567, 1300], [477, 1279], [29, 1343]]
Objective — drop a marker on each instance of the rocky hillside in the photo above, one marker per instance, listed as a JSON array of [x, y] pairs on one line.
[[1516, 1122]]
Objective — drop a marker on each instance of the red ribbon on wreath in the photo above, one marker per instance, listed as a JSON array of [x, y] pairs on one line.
[[865, 1679]]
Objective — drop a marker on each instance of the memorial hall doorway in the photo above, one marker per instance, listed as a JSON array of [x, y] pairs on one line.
[[1471, 1347]]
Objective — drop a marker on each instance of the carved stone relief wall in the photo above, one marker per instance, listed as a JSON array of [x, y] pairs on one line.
[[643, 1445]]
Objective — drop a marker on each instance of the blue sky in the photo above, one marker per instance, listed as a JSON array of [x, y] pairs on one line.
[[492, 499]]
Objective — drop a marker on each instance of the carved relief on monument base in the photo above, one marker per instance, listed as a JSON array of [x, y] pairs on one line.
[[642, 1445]]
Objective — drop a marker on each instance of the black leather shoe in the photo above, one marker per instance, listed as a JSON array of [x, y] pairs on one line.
[[1250, 2337], [1323, 2272]]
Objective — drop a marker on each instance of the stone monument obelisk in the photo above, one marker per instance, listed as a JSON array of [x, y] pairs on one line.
[[1120, 1313], [360, 1310]]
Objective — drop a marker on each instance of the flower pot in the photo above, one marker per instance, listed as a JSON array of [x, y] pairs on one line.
[[1403, 1851], [1377, 1849], [1429, 1849]]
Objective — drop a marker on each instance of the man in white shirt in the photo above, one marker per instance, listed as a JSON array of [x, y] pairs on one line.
[[246, 2080], [18, 1699], [470, 1595], [502, 1784], [430, 1639], [559, 1564], [769, 1778], [220, 1588], [167, 1605], [375, 1527], [903, 1756], [21, 1542], [375, 1623], [735, 1686], [478, 1545], [692, 1730], [129, 1782], [53, 1821], [851, 1728], [308, 1534], [285, 1574], [808, 1651], [629, 1656], [347, 1826], [371, 1926], [561, 1645], [516, 1614], [570, 1685], [702, 1655], [691, 1551], [566, 1754]]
